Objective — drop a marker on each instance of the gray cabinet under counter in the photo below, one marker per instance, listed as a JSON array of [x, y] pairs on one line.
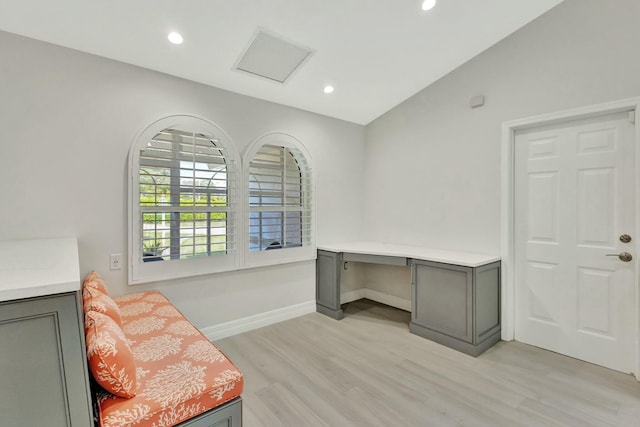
[[456, 306], [328, 269], [43, 363]]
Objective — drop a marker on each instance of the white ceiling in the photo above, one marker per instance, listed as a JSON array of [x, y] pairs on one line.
[[376, 53]]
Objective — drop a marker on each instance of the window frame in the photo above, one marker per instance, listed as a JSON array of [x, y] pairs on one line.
[[143, 272], [290, 254]]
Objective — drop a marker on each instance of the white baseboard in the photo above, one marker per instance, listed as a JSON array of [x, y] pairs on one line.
[[397, 302], [246, 324], [352, 295]]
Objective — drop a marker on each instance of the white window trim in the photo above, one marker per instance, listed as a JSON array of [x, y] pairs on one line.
[[141, 272], [285, 255]]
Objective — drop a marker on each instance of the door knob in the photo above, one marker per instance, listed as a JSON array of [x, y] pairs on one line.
[[624, 256]]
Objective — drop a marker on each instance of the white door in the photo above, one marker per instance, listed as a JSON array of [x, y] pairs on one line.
[[574, 199]]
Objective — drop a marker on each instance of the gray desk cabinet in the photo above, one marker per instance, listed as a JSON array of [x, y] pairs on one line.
[[42, 363], [328, 268], [456, 306]]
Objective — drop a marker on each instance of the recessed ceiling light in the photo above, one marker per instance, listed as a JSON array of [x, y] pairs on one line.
[[175, 38], [328, 89], [428, 4]]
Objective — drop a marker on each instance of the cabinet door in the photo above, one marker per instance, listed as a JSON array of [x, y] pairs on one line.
[[43, 363], [328, 279], [443, 299]]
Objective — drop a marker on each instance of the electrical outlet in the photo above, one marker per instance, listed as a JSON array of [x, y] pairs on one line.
[[115, 262]]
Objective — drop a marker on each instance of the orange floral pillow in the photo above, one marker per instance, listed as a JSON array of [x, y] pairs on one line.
[[94, 300], [110, 358], [93, 280]]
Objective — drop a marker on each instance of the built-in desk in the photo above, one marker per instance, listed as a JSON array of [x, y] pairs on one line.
[[455, 296]]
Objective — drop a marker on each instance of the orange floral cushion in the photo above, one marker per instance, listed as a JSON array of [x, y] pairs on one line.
[[93, 280], [110, 358], [181, 374], [94, 300]]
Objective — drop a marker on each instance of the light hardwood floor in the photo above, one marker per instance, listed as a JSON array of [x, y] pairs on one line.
[[368, 370]]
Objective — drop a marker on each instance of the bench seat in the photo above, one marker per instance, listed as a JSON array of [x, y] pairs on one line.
[[180, 374]]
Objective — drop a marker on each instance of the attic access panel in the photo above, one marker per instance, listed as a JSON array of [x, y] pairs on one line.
[[271, 57]]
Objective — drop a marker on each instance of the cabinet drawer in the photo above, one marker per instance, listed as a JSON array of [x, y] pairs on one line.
[[375, 259]]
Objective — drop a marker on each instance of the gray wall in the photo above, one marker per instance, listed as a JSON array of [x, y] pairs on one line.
[[432, 174], [68, 121]]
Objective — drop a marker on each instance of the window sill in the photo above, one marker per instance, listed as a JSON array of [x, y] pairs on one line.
[[253, 263]]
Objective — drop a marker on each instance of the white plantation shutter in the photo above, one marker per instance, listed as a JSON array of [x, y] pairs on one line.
[[184, 187], [184, 197], [280, 197]]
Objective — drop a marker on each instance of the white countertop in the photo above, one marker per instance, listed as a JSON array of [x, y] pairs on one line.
[[31, 268], [466, 259]]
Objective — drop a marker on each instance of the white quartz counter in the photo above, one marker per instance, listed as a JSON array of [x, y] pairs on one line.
[[465, 259], [31, 268]]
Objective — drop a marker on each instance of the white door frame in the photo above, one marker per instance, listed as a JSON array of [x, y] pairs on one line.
[[508, 187]]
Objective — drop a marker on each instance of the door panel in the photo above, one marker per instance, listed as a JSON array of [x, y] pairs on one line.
[[596, 207], [574, 197], [595, 302], [543, 210], [542, 285]]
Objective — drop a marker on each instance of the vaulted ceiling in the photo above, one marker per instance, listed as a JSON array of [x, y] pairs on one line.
[[375, 53]]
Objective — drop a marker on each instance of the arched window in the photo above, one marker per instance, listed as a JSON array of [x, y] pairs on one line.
[[183, 205], [280, 200]]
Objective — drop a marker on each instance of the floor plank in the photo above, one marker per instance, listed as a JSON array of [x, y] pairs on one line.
[[368, 370]]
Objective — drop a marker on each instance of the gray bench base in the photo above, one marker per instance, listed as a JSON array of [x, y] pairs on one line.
[[227, 415]]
